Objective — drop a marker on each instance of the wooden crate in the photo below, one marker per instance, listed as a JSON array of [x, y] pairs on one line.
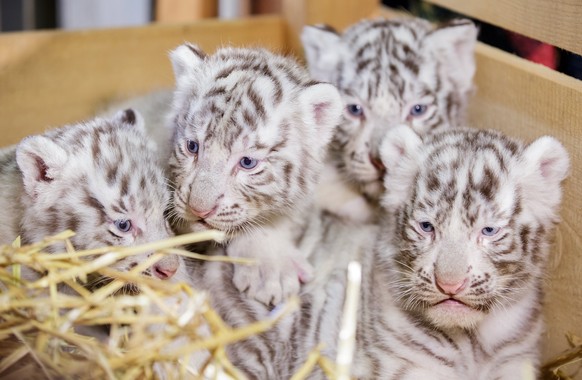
[[51, 78]]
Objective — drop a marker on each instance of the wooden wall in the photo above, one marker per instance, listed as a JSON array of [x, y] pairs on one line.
[[556, 22], [52, 78]]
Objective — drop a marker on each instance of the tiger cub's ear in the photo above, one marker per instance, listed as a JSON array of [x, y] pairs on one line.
[[544, 165], [453, 44], [321, 109], [185, 58], [399, 153], [40, 161], [130, 118], [323, 50]]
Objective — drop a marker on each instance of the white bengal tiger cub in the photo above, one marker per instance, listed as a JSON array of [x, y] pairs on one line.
[[250, 133], [453, 288], [97, 178], [388, 72]]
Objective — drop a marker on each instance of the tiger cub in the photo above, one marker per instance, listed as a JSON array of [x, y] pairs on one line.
[[453, 287], [97, 178], [250, 134], [388, 72]]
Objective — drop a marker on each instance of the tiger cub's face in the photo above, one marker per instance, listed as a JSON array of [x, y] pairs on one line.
[[250, 133], [391, 72], [100, 179], [473, 213]]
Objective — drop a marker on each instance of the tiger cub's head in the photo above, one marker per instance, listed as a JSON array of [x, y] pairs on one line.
[[250, 133], [99, 179], [391, 72], [472, 212]]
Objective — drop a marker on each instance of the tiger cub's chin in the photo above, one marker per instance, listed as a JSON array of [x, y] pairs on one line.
[[452, 314]]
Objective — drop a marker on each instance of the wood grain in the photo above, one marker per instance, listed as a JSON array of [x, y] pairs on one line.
[[527, 100], [185, 10], [53, 78], [339, 14], [557, 22]]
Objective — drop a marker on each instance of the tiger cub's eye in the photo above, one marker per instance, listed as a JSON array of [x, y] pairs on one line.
[[248, 163]]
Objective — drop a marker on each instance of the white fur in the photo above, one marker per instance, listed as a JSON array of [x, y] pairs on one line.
[[403, 331], [399, 152], [544, 165], [386, 67], [274, 115], [59, 181]]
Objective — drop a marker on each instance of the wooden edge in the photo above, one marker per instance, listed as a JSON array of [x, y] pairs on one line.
[[185, 10], [297, 14], [54, 78], [555, 22]]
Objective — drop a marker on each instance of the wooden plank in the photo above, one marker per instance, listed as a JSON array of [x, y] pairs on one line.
[[185, 10], [331, 12], [556, 22], [265, 6], [529, 100], [52, 78]]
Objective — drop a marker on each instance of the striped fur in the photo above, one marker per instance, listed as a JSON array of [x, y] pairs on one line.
[[85, 177], [389, 72], [418, 317], [250, 133], [453, 284], [280, 351]]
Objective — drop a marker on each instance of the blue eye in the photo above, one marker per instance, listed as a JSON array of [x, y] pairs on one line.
[[123, 225], [355, 110], [192, 146], [490, 231], [248, 163], [418, 110], [426, 226]]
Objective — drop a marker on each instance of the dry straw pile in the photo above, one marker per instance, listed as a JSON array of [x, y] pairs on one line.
[[168, 330]]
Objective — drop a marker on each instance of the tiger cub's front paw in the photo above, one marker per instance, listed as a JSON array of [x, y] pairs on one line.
[[272, 281]]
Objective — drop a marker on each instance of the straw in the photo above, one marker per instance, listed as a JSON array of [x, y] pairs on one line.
[[166, 329]]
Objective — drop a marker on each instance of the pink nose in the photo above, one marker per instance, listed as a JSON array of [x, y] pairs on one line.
[[451, 287], [202, 214], [165, 272]]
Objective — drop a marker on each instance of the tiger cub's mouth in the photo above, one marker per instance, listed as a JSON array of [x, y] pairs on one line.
[[452, 302], [454, 313], [203, 224]]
